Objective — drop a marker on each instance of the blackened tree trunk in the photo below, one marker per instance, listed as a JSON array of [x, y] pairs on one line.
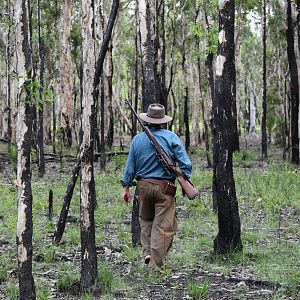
[[87, 184], [229, 235], [136, 76], [264, 137], [61, 223], [40, 127], [135, 222], [147, 38], [53, 128], [102, 124], [185, 83], [8, 76], [162, 47], [110, 132], [24, 138], [294, 85]]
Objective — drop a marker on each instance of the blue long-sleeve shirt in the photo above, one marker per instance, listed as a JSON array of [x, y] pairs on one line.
[[142, 161]]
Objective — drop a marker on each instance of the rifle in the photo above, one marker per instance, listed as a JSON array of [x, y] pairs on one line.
[[187, 187]]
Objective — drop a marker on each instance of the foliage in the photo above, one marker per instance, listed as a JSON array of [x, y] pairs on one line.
[[197, 291], [105, 277], [66, 280], [11, 291]]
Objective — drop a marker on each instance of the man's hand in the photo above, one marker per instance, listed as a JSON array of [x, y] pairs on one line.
[[126, 195]]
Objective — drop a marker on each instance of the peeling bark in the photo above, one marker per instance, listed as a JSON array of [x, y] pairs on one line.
[[24, 137], [66, 81], [87, 184]]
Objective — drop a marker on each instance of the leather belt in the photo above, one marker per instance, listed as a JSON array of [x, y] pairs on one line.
[[168, 187], [157, 181]]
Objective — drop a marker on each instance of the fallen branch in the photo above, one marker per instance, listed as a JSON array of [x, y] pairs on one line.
[[61, 223]]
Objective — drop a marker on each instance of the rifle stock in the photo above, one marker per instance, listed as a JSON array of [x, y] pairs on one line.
[[190, 191]]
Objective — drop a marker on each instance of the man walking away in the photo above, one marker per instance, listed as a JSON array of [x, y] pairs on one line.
[[156, 200]]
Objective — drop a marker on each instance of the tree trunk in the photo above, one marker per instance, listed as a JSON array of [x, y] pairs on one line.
[[87, 184], [109, 77], [294, 85], [136, 76], [264, 137], [147, 50], [228, 238], [185, 84], [298, 30], [252, 110], [66, 95], [40, 129], [102, 124], [164, 96], [53, 127], [61, 223], [8, 81], [238, 73], [24, 137], [196, 138]]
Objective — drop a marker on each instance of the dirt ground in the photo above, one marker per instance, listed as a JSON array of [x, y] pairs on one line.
[[238, 285]]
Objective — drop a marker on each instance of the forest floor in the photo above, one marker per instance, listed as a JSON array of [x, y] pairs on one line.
[[267, 268]]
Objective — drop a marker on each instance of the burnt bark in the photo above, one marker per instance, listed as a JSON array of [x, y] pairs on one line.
[[61, 223], [136, 78], [186, 88], [135, 223], [294, 85], [50, 205], [102, 109], [53, 128], [40, 127], [264, 137], [148, 42], [87, 183], [228, 238], [8, 76], [110, 132], [24, 142]]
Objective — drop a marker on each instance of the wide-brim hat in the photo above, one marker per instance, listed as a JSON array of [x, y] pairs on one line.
[[155, 114]]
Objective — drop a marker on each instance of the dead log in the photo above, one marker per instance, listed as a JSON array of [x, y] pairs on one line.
[[61, 223]]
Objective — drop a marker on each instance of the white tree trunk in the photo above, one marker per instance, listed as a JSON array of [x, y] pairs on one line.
[[196, 109], [87, 185], [65, 106], [252, 112]]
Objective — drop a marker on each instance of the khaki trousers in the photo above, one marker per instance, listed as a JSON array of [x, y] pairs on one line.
[[157, 215]]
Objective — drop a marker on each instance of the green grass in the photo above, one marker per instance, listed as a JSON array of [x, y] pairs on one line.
[[66, 280], [198, 290], [11, 291], [269, 206], [105, 277]]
